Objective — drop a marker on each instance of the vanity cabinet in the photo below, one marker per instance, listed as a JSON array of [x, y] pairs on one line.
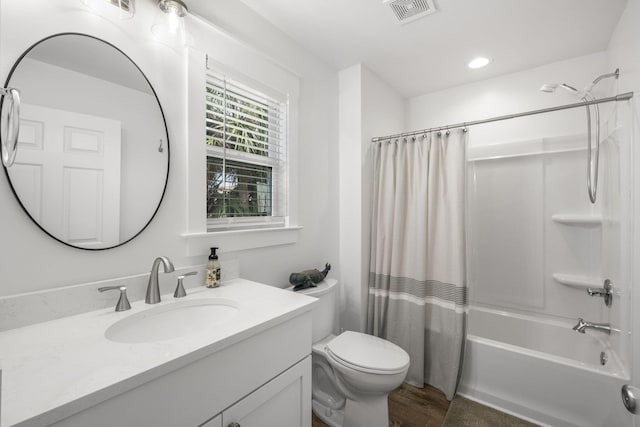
[[261, 380], [284, 401]]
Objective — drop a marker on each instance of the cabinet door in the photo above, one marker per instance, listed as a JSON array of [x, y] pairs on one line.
[[285, 401]]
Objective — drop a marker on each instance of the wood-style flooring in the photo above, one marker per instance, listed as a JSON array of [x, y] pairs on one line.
[[412, 407]]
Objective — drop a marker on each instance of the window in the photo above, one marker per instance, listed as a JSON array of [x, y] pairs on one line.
[[246, 156]]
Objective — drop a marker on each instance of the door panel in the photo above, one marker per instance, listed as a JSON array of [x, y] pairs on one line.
[[74, 161]]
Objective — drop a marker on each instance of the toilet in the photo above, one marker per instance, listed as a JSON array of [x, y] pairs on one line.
[[352, 373]]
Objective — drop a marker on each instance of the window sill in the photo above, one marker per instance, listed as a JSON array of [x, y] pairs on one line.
[[238, 240]]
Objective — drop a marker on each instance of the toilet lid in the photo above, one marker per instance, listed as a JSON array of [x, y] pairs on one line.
[[368, 353]]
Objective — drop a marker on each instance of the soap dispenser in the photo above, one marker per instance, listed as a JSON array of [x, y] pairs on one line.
[[213, 270]]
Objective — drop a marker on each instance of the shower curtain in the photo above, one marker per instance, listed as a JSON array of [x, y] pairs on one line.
[[417, 289]]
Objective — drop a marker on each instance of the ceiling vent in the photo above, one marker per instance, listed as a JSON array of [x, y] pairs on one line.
[[409, 10]]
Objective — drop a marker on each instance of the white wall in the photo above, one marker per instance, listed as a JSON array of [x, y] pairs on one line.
[[509, 94], [315, 163], [30, 260], [368, 107]]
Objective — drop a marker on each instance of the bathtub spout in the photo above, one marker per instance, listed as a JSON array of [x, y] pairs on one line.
[[582, 326]]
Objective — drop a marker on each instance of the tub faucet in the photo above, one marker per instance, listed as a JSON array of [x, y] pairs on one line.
[[153, 288], [582, 326]]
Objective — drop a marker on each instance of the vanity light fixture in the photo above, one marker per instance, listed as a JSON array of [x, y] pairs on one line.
[[169, 25], [122, 9], [478, 62]]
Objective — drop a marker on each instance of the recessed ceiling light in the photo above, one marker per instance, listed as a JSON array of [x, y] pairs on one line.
[[478, 62]]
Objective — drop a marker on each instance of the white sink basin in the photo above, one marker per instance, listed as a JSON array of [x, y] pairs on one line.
[[174, 320]]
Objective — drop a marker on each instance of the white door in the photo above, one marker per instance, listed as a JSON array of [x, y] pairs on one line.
[[67, 174], [285, 401]]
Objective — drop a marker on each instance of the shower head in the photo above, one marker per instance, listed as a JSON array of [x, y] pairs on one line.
[[583, 94], [572, 90], [551, 87]]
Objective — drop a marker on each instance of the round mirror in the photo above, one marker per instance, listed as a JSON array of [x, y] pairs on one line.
[[93, 149]]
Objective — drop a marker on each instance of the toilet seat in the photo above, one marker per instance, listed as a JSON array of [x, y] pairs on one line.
[[368, 354]]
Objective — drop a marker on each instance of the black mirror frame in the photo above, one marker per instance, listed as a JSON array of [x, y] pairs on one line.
[[166, 130]]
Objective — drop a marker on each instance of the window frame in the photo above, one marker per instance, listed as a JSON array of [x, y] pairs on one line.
[[268, 76], [279, 198]]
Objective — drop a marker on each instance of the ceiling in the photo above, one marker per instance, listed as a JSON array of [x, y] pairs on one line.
[[92, 57], [431, 53]]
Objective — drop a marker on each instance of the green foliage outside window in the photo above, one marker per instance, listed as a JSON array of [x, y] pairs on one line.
[[234, 188]]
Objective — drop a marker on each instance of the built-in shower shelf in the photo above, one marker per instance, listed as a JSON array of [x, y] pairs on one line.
[[578, 220], [580, 282]]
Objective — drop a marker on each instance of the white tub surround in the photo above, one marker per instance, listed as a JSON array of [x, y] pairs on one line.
[[541, 370], [547, 337], [536, 244], [68, 368]]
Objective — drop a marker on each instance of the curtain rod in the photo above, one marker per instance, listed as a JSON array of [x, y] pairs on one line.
[[621, 97]]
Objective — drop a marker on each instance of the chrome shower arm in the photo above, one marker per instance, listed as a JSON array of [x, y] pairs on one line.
[[615, 74]]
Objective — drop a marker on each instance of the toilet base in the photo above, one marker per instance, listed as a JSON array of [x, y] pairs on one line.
[[370, 411], [331, 417]]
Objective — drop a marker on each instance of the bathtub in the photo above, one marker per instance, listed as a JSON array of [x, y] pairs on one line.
[[542, 370]]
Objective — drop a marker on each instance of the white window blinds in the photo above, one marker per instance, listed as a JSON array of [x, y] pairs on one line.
[[246, 155]]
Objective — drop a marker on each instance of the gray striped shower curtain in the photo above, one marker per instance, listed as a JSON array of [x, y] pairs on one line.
[[417, 288]]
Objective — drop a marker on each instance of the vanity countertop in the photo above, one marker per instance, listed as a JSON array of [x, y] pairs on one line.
[[55, 369]]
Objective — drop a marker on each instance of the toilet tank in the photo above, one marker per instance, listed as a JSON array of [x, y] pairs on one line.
[[324, 312]]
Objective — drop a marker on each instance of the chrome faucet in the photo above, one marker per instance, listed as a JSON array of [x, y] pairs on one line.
[[123, 302], [606, 292], [582, 326], [153, 289]]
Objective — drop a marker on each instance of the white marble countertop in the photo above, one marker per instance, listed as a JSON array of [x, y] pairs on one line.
[[55, 369]]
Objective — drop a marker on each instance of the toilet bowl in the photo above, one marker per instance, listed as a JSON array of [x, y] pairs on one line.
[[353, 372], [365, 369]]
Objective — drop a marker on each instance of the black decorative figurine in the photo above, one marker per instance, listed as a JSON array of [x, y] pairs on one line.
[[308, 278]]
